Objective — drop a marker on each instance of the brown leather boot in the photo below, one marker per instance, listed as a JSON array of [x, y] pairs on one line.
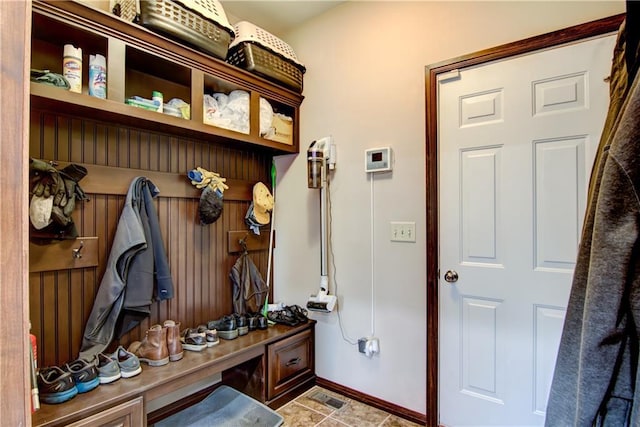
[[153, 348], [173, 340]]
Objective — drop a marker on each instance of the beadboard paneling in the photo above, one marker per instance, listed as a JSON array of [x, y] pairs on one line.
[[198, 255]]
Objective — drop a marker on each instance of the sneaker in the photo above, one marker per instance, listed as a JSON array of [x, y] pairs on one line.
[[192, 340], [226, 327], [108, 369], [128, 362], [55, 385], [210, 335], [84, 374]]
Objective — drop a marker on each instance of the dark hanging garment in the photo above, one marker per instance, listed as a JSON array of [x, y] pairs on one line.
[[596, 373], [249, 289], [632, 36], [136, 261]]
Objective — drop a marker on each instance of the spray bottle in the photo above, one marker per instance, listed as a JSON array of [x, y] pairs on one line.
[[98, 76], [72, 67]]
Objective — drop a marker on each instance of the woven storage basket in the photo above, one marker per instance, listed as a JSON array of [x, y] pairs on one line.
[[260, 52], [200, 23]]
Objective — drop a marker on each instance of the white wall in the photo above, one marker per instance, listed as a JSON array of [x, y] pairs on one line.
[[365, 86]]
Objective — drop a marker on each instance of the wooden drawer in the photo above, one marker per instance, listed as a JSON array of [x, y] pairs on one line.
[[290, 362], [128, 414]]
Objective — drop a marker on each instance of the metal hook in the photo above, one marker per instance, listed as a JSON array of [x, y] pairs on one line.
[[76, 252], [243, 242]]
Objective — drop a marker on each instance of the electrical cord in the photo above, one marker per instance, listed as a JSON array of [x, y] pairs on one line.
[[373, 275], [333, 265]]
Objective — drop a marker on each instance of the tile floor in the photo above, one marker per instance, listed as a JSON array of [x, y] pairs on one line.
[[306, 412]]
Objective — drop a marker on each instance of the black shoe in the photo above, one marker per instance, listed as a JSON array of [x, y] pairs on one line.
[[253, 322], [55, 385], [262, 322], [226, 327], [241, 323]]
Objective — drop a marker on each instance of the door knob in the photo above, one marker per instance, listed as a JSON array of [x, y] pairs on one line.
[[451, 276]]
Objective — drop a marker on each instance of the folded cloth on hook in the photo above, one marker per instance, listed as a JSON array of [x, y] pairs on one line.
[[250, 220]]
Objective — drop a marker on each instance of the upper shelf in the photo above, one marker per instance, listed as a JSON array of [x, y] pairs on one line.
[[139, 62]]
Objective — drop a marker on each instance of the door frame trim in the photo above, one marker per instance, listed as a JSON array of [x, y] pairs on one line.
[[567, 35]]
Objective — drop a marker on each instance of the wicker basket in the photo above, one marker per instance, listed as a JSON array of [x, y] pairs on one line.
[[260, 52], [200, 23]]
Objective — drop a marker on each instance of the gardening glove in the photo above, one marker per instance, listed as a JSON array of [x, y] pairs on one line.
[[58, 215], [70, 190], [72, 174], [50, 184], [47, 180], [202, 178], [65, 200], [41, 166], [218, 185]]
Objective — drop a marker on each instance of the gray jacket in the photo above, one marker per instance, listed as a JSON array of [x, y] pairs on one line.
[[595, 377], [137, 257]]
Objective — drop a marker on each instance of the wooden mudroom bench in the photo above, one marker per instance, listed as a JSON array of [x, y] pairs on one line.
[[269, 365]]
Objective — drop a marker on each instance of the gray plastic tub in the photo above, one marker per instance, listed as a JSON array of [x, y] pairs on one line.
[[224, 407]]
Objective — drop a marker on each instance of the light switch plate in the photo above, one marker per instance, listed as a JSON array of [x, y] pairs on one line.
[[403, 231]]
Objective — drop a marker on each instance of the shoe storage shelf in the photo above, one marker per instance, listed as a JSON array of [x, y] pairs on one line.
[[140, 62], [271, 366]]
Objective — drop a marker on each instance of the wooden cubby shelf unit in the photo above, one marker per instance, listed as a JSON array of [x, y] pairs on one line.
[[138, 62]]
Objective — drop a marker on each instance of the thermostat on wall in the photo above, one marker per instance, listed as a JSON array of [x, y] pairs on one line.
[[377, 160]]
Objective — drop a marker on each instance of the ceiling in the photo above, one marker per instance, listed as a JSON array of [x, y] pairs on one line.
[[276, 16]]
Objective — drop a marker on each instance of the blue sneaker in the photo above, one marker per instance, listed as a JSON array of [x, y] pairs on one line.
[[55, 385], [84, 374]]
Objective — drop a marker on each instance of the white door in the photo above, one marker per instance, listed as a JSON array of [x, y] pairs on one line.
[[517, 139]]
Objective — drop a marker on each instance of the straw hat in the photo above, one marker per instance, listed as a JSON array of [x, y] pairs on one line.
[[262, 203]]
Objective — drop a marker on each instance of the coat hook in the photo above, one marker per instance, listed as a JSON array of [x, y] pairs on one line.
[[243, 242], [76, 252]]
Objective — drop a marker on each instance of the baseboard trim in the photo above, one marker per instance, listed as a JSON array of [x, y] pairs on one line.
[[389, 407]]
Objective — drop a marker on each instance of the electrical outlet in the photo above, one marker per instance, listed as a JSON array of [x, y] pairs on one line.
[[362, 345], [403, 231], [369, 346]]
